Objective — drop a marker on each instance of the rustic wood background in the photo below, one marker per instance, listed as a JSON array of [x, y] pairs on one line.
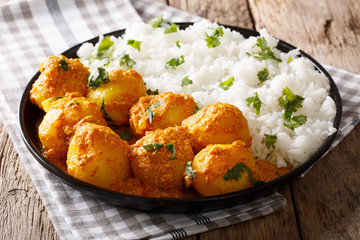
[[322, 205]]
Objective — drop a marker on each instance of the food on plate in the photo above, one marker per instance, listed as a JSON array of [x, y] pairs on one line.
[[59, 75], [116, 92], [157, 95], [217, 123], [159, 158], [59, 123], [223, 168], [160, 111], [97, 155]]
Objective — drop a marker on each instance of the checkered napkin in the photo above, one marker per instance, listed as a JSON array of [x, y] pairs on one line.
[[33, 30]]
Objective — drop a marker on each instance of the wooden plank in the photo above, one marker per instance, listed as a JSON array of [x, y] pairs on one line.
[[22, 214], [329, 30]]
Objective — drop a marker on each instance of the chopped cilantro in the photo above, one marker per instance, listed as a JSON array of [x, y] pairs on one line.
[[104, 49], [171, 148], [106, 115], [212, 37], [289, 60], [291, 103], [175, 62], [227, 84], [150, 112], [255, 102], [126, 61], [98, 77], [125, 135], [189, 170], [270, 140], [172, 28], [237, 170], [135, 44], [178, 44], [186, 81], [63, 64], [153, 147], [151, 92], [263, 75], [265, 52], [157, 21]]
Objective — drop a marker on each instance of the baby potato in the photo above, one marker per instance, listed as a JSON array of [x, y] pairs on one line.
[[219, 123], [117, 96], [59, 75], [158, 159], [160, 111], [97, 155], [58, 123], [218, 168]]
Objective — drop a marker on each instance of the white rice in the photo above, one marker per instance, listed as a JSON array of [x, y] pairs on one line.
[[207, 67]]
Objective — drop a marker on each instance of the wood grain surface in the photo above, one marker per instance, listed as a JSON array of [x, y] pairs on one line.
[[322, 205]]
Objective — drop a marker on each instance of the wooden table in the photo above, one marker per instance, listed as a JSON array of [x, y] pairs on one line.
[[322, 205]]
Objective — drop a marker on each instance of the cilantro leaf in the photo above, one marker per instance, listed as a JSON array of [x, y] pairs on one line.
[[150, 113], [270, 140], [265, 52], [172, 28], [289, 60], [189, 170], [106, 115], [104, 49], [157, 21], [290, 102], [151, 92], [153, 147], [263, 75], [63, 64], [135, 44], [295, 121], [171, 148], [212, 38], [238, 170], [186, 81], [98, 77], [227, 84], [178, 44], [126, 61], [175, 62], [125, 135], [255, 102]]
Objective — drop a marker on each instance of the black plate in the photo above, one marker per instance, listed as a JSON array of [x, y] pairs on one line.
[[29, 115]]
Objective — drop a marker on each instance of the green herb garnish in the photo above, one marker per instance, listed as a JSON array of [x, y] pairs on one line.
[[289, 60], [125, 135], [151, 92], [175, 62], [104, 49], [270, 140], [291, 103], [126, 61], [227, 84], [98, 77], [171, 148], [186, 81], [157, 21], [265, 52], [153, 147], [254, 102], [106, 115], [189, 170], [263, 75], [178, 44], [172, 28], [238, 170], [135, 44], [63, 64], [150, 112], [212, 38]]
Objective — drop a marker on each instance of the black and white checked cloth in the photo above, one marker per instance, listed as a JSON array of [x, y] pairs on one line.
[[30, 31]]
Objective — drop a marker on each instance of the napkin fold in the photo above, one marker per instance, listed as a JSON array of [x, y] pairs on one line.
[[33, 30]]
